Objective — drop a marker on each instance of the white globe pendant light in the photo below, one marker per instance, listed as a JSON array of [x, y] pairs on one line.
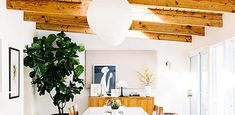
[[110, 20]]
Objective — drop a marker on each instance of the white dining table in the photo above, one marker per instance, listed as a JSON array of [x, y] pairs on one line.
[[126, 111]]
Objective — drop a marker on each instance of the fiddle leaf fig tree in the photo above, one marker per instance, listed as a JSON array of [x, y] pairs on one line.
[[56, 69]]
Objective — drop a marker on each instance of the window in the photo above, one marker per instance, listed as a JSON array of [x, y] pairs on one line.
[[229, 79], [214, 75], [204, 84], [223, 78], [217, 73]]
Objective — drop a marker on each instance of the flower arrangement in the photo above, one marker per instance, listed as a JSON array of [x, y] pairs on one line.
[[114, 103], [146, 76]]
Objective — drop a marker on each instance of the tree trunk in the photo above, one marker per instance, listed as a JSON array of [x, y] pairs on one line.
[[59, 109], [62, 109]]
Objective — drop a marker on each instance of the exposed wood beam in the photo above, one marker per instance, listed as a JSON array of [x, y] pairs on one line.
[[85, 30], [56, 19], [136, 25], [167, 28], [69, 0], [67, 28], [168, 16], [50, 6], [168, 37], [74, 8], [191, 4], [220, 1], [189, 17], [54, 7]]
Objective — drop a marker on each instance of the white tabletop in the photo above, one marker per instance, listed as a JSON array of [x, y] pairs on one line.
[[127, 111]]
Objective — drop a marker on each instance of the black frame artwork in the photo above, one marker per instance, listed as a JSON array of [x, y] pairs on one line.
[[14, 73]]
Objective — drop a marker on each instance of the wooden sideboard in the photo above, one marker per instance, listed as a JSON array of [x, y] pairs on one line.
[[147, 103]]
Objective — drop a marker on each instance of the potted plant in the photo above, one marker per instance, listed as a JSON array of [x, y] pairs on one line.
[[147, 78], [114, 103], [56, 69]]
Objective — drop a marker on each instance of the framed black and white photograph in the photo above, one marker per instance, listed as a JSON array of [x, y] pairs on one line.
[[14, 73], [106, 76]]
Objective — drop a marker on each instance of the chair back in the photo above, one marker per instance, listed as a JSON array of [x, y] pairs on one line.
[[75, 109], [71, 111], [158, 110], [170, 114]]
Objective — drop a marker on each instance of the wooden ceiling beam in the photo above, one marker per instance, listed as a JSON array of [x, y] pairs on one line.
[[70, 0], [168, 37], [80, 9], [136, 25], [67, 28], [210, 5], [86, 30], [76, 8], [50, 6], [189, 17], [167, 28], [56, 19], [168, 16], [219, 1], [68, 8]]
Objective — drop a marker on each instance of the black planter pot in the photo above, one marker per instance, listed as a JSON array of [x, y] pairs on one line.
[[61, 114]]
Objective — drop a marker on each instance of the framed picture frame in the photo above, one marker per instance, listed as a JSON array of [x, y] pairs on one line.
[[106, 76], [14, 73], [95, 90]]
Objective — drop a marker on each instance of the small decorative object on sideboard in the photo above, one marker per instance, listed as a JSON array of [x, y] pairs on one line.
[[147, 78], [134, 94], [95, 90], [122, 84]]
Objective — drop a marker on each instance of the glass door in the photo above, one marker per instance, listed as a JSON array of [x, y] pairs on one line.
[[204, 84], [199, 70]]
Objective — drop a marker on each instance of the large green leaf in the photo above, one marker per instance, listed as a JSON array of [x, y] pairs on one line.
[[40, 69], [50, 39], [81, 48], [36, 46], [79, 70], [28, 61]]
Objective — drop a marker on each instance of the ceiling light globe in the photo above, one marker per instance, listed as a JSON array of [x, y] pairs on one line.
[[110, 20]]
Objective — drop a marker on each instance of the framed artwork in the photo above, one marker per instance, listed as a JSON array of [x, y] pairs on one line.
[[95, 90], [106, 76], [14, 73]]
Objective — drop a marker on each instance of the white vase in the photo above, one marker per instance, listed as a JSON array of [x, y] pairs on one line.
[[114, 112], [148, 90], [107, 108]]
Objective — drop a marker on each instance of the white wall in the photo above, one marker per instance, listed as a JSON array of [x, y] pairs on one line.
[[169, 90], [0, 64], [13, 33], [216, 35], [126, 61]]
